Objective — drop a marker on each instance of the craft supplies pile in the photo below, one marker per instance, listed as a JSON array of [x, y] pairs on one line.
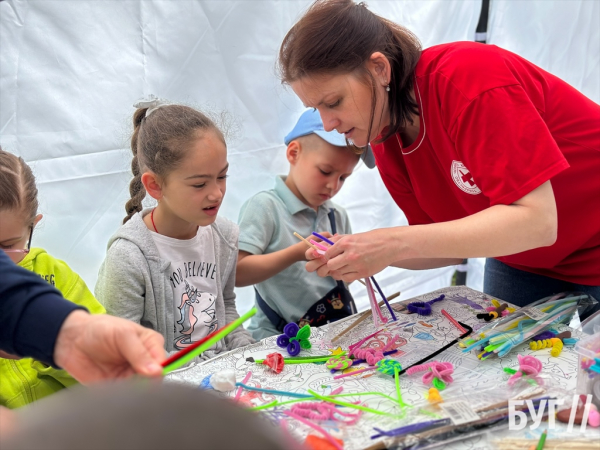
[[408, 379]]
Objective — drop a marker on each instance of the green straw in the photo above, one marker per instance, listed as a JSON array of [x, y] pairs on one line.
[[271, 405], [397, 379], [296, 400], [208, 344], [349, 405], [304, 359]]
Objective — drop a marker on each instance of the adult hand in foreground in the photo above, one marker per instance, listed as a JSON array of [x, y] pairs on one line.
[[101, 347], [354, 256]]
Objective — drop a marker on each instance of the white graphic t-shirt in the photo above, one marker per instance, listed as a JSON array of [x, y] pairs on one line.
[[193, 278]]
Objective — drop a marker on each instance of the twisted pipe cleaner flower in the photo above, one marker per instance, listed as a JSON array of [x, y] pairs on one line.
[[528, 365], [373, 355], [434, 369]]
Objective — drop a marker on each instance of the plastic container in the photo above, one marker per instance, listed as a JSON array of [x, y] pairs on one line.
[[591, 325], [588, 374]]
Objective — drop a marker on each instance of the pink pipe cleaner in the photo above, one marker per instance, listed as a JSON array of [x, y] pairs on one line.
[[434, 369], [362, 341], [314, 426], [493, 308], [337, 390], [528, 365], [377, 315], [373, 355], [244, 381], [323, 411]]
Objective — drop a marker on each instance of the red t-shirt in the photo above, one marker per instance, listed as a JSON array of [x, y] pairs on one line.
[[493, 127]]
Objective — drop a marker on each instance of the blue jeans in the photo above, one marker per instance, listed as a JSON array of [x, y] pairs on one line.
[[521, 288]]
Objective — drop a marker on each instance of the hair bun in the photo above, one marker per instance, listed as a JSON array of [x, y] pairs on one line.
[[152, 103]]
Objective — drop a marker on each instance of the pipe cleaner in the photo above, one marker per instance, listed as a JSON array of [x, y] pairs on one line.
[[338, 363], [363, 340], [412, 428], [360, 361], [468, 331], [323, 411], [244, 381], [509, 337], [373, 355], [349, 405], [376, 310], [274, 361], [528, 365], [494, 313], [438, 373], [294, 338], [387, 303], [385, 366], [508, 310], [423, 308], [272, 391], [544, 335]]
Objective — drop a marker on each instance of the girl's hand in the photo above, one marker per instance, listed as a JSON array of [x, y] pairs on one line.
[[355, 256]]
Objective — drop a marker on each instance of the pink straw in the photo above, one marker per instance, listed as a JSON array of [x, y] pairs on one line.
[[239, 391], [314, 426], [318, 245], [454, 322]]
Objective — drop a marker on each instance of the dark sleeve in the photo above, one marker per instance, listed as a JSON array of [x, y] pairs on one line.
[[31, 312]]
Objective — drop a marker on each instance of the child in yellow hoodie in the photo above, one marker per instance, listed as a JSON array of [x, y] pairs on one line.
[[26, 380]]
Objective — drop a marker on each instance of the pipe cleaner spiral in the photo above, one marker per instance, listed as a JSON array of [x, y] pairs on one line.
[[424, 308], [387, 366], [555, 343], [338, 363]]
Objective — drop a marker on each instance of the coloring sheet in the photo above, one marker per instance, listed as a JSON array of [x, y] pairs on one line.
[[419, 336]]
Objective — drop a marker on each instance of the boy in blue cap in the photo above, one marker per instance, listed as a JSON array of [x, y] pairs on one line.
[[271, 258]]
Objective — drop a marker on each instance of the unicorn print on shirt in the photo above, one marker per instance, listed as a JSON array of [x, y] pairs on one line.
[[197, 316]]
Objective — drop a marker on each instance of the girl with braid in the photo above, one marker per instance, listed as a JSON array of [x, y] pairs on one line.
[[172, 268]]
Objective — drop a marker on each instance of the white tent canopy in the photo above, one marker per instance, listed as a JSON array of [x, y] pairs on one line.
[[71, 70]]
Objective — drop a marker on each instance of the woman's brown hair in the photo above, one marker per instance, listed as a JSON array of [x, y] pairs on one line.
[[18, 191], [159, 143], [338, 37]]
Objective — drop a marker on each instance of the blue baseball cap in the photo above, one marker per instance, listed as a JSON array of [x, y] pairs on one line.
[[310, 123]]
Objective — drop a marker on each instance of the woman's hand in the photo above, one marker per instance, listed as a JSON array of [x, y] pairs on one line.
[[102, 347], [355, 256]]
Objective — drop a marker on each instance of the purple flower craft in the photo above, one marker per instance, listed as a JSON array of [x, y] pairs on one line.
[[294, 338]]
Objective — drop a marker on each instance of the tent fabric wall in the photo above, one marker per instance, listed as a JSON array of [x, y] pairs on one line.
[[70, 72]]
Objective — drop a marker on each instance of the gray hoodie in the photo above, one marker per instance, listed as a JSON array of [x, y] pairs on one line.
[[133, 281]]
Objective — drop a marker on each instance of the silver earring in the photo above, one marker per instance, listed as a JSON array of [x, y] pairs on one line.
[[387, 88]]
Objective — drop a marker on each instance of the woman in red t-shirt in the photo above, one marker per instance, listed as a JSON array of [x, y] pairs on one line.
[[486, 154]]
